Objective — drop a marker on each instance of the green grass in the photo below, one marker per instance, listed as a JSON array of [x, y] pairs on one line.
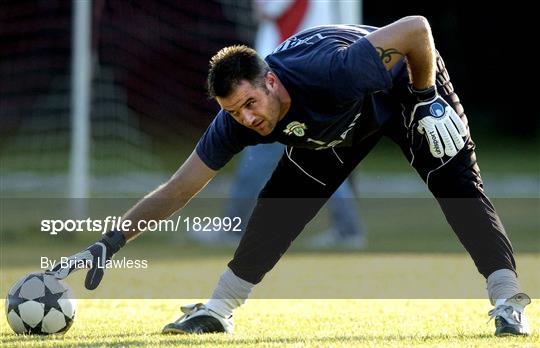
[[297, 275], [291, 323], [279, 313]]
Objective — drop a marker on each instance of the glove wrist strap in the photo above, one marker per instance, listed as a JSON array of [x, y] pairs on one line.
[[424, 94], [114, 239]]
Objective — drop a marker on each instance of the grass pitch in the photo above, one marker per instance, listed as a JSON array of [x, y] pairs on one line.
[[291, 323]]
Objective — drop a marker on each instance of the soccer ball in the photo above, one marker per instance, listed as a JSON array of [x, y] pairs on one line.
[[40, 304]]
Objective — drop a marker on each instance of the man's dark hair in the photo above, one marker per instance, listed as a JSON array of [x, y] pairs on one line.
[[230, 66]]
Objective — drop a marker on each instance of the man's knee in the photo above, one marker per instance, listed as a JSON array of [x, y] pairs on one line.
[[459, 178], [456, 187]]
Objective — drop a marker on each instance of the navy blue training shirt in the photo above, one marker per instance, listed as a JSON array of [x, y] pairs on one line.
[[330, 73]]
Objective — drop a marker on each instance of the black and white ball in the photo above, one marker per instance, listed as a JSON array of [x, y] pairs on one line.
[[40, 304]]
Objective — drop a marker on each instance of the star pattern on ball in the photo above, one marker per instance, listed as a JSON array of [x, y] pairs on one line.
[[50, 300], [14, 301]]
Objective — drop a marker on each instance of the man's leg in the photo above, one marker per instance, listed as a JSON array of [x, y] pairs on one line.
[[300, 185], [457, 186]]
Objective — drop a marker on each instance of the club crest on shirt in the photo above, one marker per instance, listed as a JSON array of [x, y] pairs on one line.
[[295, 128]]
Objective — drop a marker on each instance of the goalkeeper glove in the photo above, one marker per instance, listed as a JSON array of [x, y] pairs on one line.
[[96, 255], [438, 122]]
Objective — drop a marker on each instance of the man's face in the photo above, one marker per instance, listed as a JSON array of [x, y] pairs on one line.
[[254, 106]]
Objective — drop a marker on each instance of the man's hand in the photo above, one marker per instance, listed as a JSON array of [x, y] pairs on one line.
[[95, 256], [439, 123]]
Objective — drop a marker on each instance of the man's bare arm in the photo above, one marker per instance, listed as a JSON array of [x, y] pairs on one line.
[[408, 37], [192, 176], [174, 194]]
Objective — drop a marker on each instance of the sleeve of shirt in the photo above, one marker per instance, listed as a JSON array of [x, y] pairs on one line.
[[359, 69], [221, 141]]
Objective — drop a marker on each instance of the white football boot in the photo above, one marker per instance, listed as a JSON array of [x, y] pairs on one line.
[[509, 317], [198, 319]]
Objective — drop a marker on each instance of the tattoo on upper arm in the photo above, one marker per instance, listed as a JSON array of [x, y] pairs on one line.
[[386, 54]]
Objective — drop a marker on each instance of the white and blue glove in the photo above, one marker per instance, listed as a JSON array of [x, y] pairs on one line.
[[440, 124], [94, 257]]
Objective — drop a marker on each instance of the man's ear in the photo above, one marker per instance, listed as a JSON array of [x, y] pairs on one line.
[[270, 80]]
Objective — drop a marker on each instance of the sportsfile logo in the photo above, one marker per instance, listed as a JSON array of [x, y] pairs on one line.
[[54, 226], [189, 223], [436, 145]]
